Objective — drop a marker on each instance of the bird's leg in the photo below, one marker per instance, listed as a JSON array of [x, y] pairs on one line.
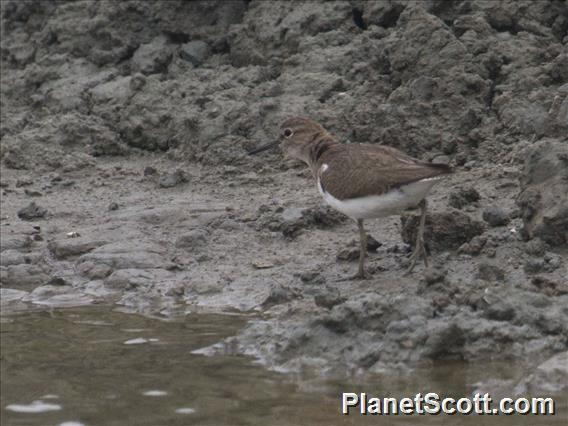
[[362, 249], [361, 274], [419, 247]]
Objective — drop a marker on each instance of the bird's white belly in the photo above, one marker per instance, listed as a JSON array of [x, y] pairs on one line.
[[374, 206]]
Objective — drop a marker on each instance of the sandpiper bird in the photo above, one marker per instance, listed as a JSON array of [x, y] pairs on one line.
[[362, 181]]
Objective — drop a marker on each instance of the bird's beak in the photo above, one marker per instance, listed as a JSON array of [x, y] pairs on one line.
[[263, 147]]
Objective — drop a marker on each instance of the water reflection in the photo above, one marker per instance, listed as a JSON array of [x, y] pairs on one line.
[[95, 366]]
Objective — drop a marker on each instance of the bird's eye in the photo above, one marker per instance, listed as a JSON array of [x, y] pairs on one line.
[[288, 133]]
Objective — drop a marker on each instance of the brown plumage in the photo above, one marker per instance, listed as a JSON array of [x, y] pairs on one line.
[[361, 180], [349, 165]]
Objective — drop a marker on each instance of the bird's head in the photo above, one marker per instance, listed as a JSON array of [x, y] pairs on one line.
[[296, 136]]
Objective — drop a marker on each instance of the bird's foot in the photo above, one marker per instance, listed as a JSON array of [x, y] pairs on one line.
[[419, 250], [413, 259]]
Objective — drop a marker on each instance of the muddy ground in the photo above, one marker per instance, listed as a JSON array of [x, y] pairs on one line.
[[125, 178]]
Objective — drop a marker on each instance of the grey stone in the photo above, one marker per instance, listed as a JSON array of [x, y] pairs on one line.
[[495, 216], [127, 255], [70, 247], [550, 286], [24, 276], [312, 277], [434, 275], [57, 296], [441, 159], [193, 240], [25, 181], [348, 254], [12, 257], [170, 180], [536, 247], [544, 185], [549, 377], [534, 265], [475, 246], [150, 171], [195, 52], [278, 295], [448, 229], [116, 91], [129, 279], [94, 271], [153, 57], [500, 310], [32, 211], [328, 298], [490, 272]]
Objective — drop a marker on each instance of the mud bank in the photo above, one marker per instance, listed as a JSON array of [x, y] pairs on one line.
[[126, 124]]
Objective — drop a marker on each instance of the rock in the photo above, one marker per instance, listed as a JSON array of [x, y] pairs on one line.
[[150, 171], [113, 206], [170, 180], [534, 265], [544, 185], [495, 216], [279, 294], [400, 248], [434, 275], [129, 279], [444, 230], [312, 277], [536, 247], [499, 310], [383, 14], [24, 276], [328, 298], [348, 254], [441, 159], [262, 264], [444, 339], [293, 220], [125, 255], [12, 257], [57, 281], [475, 246], [549, 263], [550, 286], [32, 211], [25, 181], [490, 272], [94, 271], [70, 247], [193, 240], [8, 296], [15, 242], [153, 57], [57, 296], [549, 377], [137, 82], [115, 91], [372, 243], [195, 52], [32, 193]]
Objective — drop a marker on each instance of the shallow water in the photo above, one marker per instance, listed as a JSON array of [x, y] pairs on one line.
[[96, 366]]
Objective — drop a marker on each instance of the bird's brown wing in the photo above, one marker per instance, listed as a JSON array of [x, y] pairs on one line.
[[361, 170]]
